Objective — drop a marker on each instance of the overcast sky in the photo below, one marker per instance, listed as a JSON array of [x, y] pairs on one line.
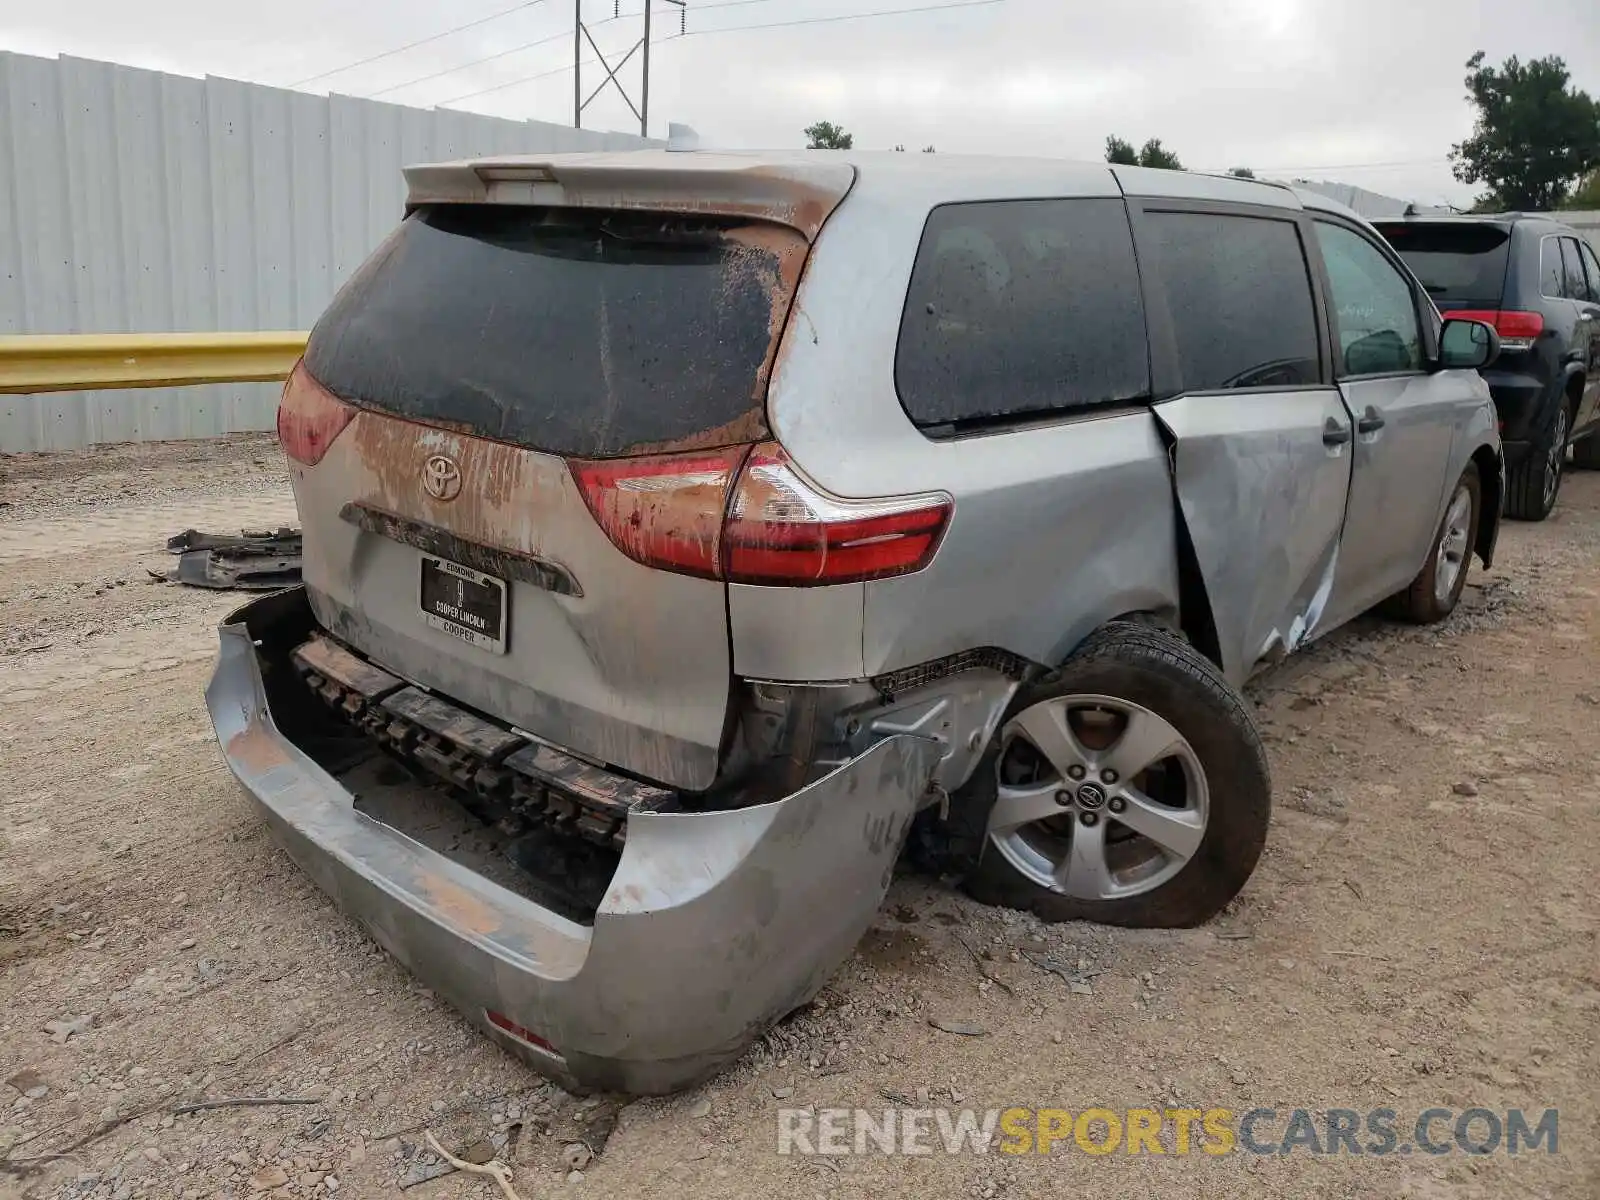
[[1361, 91]]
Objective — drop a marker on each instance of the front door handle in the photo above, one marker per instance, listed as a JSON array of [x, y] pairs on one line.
[[1371, 421], [1335, 434]]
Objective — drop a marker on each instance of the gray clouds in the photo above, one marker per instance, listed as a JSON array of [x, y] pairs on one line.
[[1321, 88]]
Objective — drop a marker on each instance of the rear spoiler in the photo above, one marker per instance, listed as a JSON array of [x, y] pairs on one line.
[[799, 195]]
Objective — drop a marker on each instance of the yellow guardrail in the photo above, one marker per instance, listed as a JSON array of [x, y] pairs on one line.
[[85, 361]]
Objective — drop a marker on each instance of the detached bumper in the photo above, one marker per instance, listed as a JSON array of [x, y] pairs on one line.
[[714, 926]]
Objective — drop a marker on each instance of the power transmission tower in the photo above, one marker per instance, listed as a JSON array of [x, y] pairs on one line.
[[581, 34]]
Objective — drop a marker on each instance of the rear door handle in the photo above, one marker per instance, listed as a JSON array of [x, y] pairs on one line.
[[1371, 421], [1335, 434]]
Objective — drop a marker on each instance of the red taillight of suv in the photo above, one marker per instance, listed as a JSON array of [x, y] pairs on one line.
[[309, 418], [1517, 330], [757, 522]]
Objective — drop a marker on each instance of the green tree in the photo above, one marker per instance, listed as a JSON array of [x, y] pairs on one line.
[[825, 135], [1151, 154], [1587, 193], [1534, 136], [1119, 151], [1154, 154], [1242, 172]]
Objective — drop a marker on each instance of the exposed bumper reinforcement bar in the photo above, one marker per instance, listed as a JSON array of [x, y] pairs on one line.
[[714, 926]]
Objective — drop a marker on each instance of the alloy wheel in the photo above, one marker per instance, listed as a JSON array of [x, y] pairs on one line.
[[1453, 551], [1098, 798], [1556, 458]]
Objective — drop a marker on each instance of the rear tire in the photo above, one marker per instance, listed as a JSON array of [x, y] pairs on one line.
[[1586, 454], [1532, 488], [1195, 782], [1436, 590]]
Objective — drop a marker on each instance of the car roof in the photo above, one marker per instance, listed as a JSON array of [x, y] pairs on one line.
[[1504, 220], [863, 170]]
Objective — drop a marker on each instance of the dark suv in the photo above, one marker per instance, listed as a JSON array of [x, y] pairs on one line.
[[1537, 282]]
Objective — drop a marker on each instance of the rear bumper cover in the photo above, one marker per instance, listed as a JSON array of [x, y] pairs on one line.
[[1523, 403], [714, 926]]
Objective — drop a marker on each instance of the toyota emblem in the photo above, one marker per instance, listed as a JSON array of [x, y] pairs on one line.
[[441, 478]]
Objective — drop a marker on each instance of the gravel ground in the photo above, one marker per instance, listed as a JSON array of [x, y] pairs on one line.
[[1421, 932]]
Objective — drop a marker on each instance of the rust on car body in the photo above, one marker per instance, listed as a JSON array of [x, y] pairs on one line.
[[801, 195], [765, 251], [255, 747], [501, 488], [504, 564]]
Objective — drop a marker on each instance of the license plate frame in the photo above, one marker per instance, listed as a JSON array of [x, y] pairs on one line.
[[476, 615]]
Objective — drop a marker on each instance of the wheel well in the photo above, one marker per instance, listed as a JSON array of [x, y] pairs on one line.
[[1194, 604], [1195, 619], [1491, 489]]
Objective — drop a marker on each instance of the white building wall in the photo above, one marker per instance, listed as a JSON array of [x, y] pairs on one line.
[[135, 201]]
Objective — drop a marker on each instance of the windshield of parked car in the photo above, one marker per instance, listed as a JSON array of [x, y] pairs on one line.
[[577, 331], [1453, 261]]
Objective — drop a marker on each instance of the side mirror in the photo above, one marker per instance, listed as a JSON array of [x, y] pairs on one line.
[[1467, 345]]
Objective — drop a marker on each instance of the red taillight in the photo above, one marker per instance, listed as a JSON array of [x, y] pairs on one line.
[[783, 530], [309, 418], [1517, 330], [664, 511], [701, 514]]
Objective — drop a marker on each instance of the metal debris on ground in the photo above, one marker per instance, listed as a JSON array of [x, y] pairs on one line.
[[1075, 975], [960, 1028], [243, 1102], [254, 560]]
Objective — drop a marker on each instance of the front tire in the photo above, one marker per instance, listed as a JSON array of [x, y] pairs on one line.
[[1129, 787], [1436, 590]]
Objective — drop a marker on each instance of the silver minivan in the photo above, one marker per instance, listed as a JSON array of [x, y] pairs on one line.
[[686, 533]]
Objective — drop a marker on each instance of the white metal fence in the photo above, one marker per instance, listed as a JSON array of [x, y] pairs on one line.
[[136, 201]]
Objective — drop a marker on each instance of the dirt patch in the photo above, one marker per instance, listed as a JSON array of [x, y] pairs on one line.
[[1421, 932]]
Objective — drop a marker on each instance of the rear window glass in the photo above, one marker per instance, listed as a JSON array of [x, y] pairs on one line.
[[1454, 262], [1239, 296], [1019, 308], [580, 332]]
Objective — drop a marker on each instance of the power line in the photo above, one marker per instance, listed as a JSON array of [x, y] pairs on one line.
[[542, 74], [545, 41], [892, 12], [419, 42]]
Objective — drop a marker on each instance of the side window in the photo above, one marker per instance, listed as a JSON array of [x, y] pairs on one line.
[[1552, 272], [1021, 307], [1239, 296], [1577, 287], [1593, 266], [1373, 303]]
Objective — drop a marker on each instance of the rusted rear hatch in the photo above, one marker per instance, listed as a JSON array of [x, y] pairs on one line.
[[514, 428]]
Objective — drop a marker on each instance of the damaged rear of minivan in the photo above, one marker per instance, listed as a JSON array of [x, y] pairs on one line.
[[500, 722]]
